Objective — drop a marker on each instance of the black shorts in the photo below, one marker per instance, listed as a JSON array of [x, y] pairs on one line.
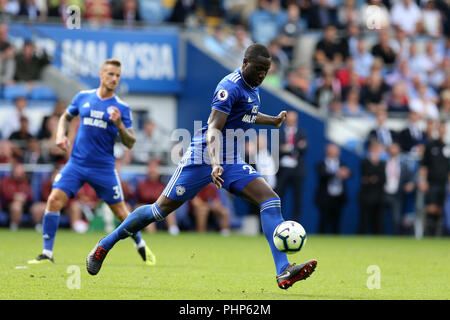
[[436, 195]]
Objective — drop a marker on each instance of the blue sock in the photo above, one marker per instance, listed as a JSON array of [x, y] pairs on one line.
[[50, 224], [136, 221], [270, 218]]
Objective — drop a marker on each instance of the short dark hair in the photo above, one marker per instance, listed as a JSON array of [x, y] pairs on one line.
[[256, 50]]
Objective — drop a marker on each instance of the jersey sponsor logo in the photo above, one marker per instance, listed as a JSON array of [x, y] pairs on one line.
[[97, 114], [222, 95], [95, 123], [86, 105], [180, 190], [249, 100]]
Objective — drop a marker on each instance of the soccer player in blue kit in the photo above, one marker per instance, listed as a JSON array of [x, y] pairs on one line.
[[103, 117], [213, 156]]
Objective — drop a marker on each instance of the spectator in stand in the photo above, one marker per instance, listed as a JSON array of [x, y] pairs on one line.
[[331, 195], [29, 64], [399, 180], [328, 89], [151, 142], [347, 14], [20, 140], [81, 207], [208, 201], [343, 74], [238, 42], [293, 144], [349, 41], [432, 23], [381, 133], [299, 83], [401, 74], [266, 21], [434, 175], [182, 10], [291, 30], [423, 105], [274, 76], [373, 178], [47, 137], [15, 190], [398, 100], [321, 15], [406, 15], [128, 12], [33, 153], [7, 12], [383, 49], [400, 44], [45, 131], [148, 191], [444, 107], [12, 123], [4, 35], [412, 138], [373, 92], [7, 66], [327, 49], [215, 41], [351, 106], [278, 56], [363, 59], [38, 207], [98, 12], [29, 9], [6, 155]]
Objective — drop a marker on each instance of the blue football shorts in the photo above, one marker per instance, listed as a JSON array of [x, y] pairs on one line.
[[189, 178], [105, 181]]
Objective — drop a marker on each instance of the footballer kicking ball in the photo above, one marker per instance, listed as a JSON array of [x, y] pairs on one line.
[[289, 237]]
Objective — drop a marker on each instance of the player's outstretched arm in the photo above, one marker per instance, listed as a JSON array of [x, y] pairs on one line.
[[61, 138], [216, 122], [275, 121]]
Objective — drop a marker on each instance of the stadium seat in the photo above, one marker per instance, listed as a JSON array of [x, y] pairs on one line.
[[14, 91], [41, 92]]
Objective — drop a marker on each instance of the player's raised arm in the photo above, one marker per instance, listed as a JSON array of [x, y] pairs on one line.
[[275, 121], [61, 138], [216, 122], [126, 135]]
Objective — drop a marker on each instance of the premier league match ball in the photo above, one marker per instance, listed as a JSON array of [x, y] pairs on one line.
[[289, 237]]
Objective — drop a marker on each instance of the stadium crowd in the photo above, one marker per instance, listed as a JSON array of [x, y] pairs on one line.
[[391, 63]]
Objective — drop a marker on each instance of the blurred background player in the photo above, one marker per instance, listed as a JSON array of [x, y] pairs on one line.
[[103, 117]]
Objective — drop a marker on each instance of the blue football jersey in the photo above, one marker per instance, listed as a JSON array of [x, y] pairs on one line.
[[94, 142], [241, 103]]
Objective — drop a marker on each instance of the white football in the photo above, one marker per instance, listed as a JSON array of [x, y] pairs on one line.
[[289, 237]]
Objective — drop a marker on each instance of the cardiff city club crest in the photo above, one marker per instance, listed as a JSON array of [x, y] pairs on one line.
[[180, 190]]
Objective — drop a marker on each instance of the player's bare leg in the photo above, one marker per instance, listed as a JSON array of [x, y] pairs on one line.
[[258, 191], [56, 201], [121, 212], [136, 221]]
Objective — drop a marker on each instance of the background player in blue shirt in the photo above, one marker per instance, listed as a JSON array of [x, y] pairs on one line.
[[215, 156], [103, 117]]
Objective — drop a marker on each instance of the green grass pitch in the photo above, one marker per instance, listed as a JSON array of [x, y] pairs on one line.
[[207, 266]]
